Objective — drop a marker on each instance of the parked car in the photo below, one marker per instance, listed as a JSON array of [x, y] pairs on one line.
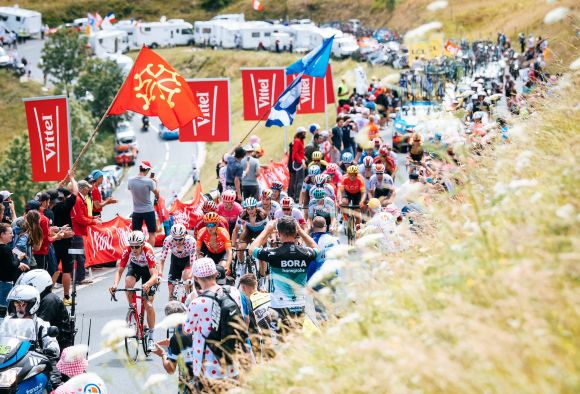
[[125, 154], [166, 134], [115, 171], [125, 134], [5, 58]]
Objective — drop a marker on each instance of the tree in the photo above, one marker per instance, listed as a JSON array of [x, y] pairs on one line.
[[99, 82], [63, 57], [214, 4]]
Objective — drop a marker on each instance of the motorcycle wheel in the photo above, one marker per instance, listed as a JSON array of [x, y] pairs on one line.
[[132, 342]]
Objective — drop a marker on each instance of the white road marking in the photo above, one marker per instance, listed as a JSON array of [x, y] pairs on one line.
[[101, 353]]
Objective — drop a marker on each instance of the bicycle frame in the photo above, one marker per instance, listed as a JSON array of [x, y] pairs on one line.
[[140, 312]]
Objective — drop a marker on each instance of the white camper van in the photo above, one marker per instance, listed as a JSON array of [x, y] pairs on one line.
[[202, 32], [305, 37], [165, 33], [225, 34], [254, 33], [344, 45], [26, 23], [109, 41], [230, 17]]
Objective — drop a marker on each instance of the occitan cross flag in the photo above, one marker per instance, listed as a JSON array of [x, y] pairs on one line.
[[154, 88]]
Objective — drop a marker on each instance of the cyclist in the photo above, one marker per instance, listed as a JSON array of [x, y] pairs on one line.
[[210, 206], [266, 203], [386, 158], [182, 247], [321, 181], [287, 209], [367, 170], [381, 185], [334, 173], [313, 171], [213, 241], [347, 161], [229, 209], [139, 259], [322, 206], [250, 223], [416, 151], [317, 160], [277, 193], [352, 190]]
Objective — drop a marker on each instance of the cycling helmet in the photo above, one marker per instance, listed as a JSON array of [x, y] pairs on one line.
[[229, 196], [374, 203], [384, 150], [317, 155], [250, 202], [313, 127], [136, 238], [331, 170], [266, 194], [320, 179], [352, 170], [318, 193], [178, 231], [38, 278], [25, 293], [286, 203], [211, 217], [379, 168], [313, 169], [209, 206], [368, 161], [347, 157], [277, 185]]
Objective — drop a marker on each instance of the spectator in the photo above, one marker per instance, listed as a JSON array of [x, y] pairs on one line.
[[98, 203], [41, 256], [297, 164], [9, 210], [141, 188], [336, 139], [235, 172], [313, 146], [80, 221], [348, 133], [251, 164], [29, 239], [8, 266]]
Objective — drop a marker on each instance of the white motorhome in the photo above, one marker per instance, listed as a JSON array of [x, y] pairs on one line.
[[230, 17], [225, 34], [166, 33], [344, 45], [26, 23], [305, 37], [202, 31], [109, 41], [283, 38], [254, 33]]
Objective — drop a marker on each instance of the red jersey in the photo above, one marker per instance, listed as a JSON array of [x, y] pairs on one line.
[[96, 194], [145, 259], [221, 243], [352, 186]]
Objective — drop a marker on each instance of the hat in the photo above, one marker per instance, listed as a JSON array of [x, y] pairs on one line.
[[145, 165], [346, 107], [73, 361], [324, 133], [96, 174], [301, 129], [32, 204], [318, 223], [43, 196], [5, 194], [82, 184], [204, 267], [249, 148]]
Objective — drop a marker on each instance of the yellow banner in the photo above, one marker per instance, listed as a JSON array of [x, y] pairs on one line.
[[429, 49]]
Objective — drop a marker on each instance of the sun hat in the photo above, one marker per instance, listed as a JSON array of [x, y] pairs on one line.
[[204, 267], [73, 361]]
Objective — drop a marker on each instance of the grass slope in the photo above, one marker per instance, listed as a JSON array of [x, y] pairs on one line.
[[487, 303]]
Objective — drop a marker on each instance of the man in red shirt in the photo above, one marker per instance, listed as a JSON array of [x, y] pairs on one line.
[[80, 221], [41, 256], [296, 164], [98, 203]]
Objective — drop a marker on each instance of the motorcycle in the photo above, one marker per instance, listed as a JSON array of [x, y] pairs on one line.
[[24, 368], [145, 124]]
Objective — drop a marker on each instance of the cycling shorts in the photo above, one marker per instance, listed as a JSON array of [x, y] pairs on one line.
[[383, 193], [216, 257], [248, 235], [353, 199], [178, 265], [141, 274]]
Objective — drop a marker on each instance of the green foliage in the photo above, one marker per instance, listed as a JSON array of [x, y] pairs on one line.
[[63, 57], [214, 4], [102, 79]]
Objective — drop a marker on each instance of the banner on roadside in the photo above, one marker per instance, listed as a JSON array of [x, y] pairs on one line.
[[107, 241], [428, 49], [213, 100], [261, 87], [276, 171], [313, 90], [451, 49], [188, 213], [49, 137]]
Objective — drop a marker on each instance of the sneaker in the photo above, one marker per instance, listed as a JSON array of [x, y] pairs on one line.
[[150, 342], [67, 301], [57, 286], [86, 281]]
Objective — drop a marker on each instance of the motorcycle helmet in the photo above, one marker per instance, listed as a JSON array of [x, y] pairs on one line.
[[23, 293], [38, 278], [178, 231], [136, 238]]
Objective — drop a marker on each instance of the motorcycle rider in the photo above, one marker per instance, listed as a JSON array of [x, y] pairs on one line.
[[145, 123], [51, 309]]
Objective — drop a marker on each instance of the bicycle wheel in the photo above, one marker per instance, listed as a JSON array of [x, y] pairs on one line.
[[144, 342], [350, 230], [132, 342]]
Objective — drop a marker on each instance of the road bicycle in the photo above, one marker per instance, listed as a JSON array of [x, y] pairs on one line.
[[242, 267], [135, 321], [350, 228], [180, 287]]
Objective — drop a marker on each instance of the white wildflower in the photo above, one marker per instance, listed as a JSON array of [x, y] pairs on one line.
[[499, 189], [523, 160], [350, 318], [520, 183], [565, 211], [422, 30], [536, 197], [112, 326], [338, 252], [556, 15], [76, 352], [437, 5], [171, 321], [154, 380], [575, 65], [368, 240]]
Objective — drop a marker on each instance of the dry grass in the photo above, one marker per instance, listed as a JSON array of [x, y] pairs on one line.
[[487, 303]]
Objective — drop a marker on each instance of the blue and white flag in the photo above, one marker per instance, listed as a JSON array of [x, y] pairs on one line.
[[284, 111], [315, 62]]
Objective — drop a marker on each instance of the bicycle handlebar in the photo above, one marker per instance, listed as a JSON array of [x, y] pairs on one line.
[[113, 298]]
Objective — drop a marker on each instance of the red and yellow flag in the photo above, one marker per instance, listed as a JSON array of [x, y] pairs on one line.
[[154, 88]]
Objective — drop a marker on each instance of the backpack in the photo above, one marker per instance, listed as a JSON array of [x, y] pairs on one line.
[[229, 330], [290, 147]]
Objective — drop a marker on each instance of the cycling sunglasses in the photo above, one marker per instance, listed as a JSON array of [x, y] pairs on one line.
[[210, 225], [136, 247], [178, 239]]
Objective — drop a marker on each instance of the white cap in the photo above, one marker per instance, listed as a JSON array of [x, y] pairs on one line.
[[5, 194]]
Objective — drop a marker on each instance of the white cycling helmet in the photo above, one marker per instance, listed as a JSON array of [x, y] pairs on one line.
[[38, 278], [136, 238], [178, 231], [25, 293]]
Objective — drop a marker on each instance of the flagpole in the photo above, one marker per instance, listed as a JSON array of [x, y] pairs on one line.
[[92, 136], [325, 103], [259, 120]]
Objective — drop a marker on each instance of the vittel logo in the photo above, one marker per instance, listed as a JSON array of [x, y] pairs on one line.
[[293, 264], [47, 126], [263, 91], [207, 105], [306, 94]]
